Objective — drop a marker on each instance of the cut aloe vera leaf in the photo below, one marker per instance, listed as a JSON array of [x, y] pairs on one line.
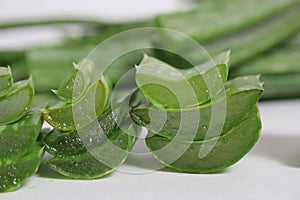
[[62, 144], [6, 80], [14, 173], [17, 102], [241, 95], [87, 166], [16, 138], [163, 85], [86, 110], [227, 150], [215, 19], [73, 87], [65, 91]]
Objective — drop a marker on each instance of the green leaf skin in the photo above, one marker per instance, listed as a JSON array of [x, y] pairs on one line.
[[14, 173], [228, 149], [86, 166], [62, 144], [17, 102], [214, 19], [163, 85], [6, 81], [16, 138], [62, 117], [241, 95]]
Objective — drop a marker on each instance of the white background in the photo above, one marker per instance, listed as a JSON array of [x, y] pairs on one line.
[[270, 171]]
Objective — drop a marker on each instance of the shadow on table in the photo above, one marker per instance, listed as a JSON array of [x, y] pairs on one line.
[[285, 149]]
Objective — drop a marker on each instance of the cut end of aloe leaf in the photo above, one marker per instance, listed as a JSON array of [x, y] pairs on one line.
[[97, 162], [17, 137], [190, 124], [88, 108], [15, 172], [6, 80], [165, 86], [219, 152], [17, 102]]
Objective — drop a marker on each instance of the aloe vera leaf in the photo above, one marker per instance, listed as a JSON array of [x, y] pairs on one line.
[[6, 80], [214, 19], [259, 39], [244, 44], [17, 102], [166, 86], [241, 95], [73, 87], [279, 71], [16, 138], [283, 61], [14, 173], [87, 109], [229, 148], [87, 166], [62, 144], [281, 86]]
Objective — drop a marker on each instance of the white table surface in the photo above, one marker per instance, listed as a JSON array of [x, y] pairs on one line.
[[270, 171]]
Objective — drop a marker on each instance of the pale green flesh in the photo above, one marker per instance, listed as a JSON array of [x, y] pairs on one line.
[[168, 87], [6, 80], [86, 166], [17, 102], [241, 95], [13, 173], [60, 144], [16, 138], [227, 149], [87, 109]]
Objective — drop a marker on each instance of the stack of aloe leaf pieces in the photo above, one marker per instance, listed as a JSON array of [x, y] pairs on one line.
[[88, 141], [20, 151], [185, 130]]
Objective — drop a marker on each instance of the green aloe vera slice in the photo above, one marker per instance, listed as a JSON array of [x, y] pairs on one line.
[[16, 138], [13, 173], [241, 95], [227, 149], [215, 19], [86, 166], [87, 109], [166, 86], [73, 87], [6, 80], [65, 91], [61, 144], [17, 102]]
